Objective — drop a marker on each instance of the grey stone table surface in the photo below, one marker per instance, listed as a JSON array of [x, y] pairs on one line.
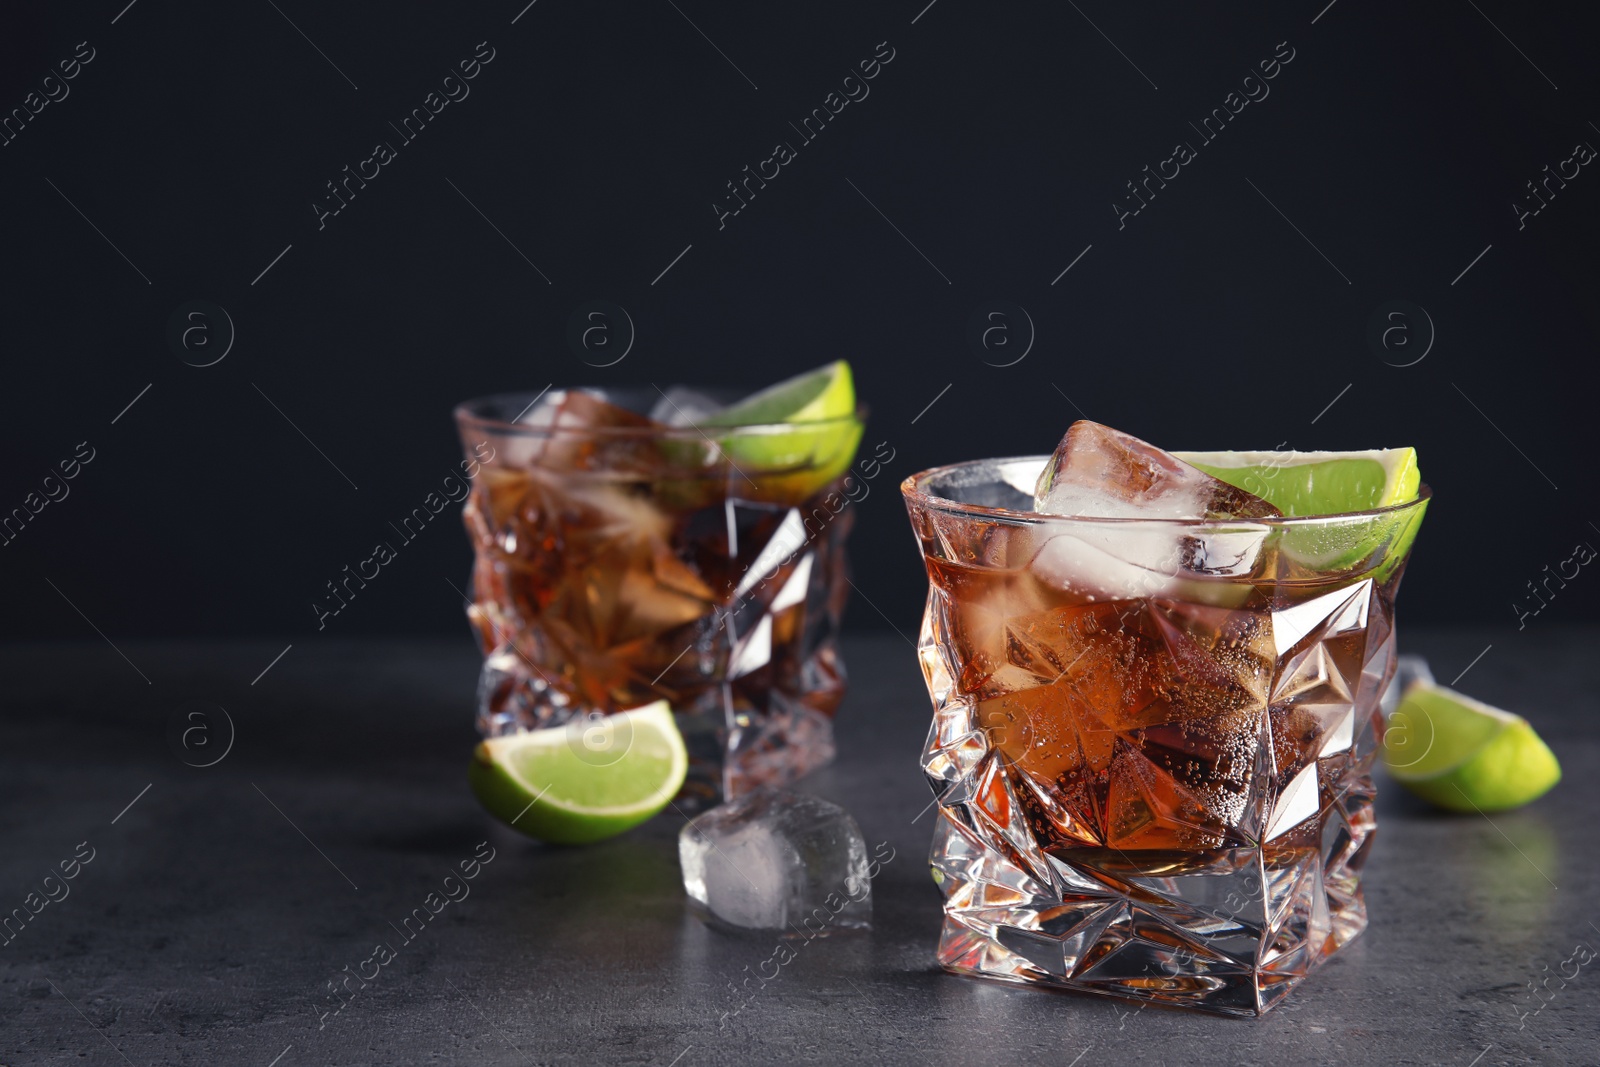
[[220, 902]]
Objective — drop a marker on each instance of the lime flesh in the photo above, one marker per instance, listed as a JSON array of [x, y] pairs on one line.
[[817, 437], [1464, 755], [1317, 483], [1301, 484], [828, 392], [583, 782]]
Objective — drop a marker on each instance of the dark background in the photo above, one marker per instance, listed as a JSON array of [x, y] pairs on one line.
[[199, 137]]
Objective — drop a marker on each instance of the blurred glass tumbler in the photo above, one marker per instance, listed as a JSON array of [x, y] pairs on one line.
[[1153, 781], [620, 560]]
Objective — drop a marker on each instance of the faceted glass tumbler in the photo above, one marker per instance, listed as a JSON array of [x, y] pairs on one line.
[[620, 561], [1152, 740]]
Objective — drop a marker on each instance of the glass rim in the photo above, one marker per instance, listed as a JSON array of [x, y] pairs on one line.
[[470, 413], [915, 490]]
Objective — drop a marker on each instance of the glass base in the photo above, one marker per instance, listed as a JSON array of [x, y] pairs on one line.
[[1227, 930], [735, 748]]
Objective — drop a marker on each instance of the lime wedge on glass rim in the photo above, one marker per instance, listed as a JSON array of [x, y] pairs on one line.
[[1330, 483], [1464, 755], [828, 392], [583, 782], [807, 426], [1317, 483]]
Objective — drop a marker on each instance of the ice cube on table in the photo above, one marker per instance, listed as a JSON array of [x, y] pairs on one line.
[[1100, 472], [1407, 669], [775, 860], [679, 406]]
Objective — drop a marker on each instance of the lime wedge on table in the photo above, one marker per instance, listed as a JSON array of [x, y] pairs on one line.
[[583, 782], [813, 410], [1463, 754], [1330, 483]]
